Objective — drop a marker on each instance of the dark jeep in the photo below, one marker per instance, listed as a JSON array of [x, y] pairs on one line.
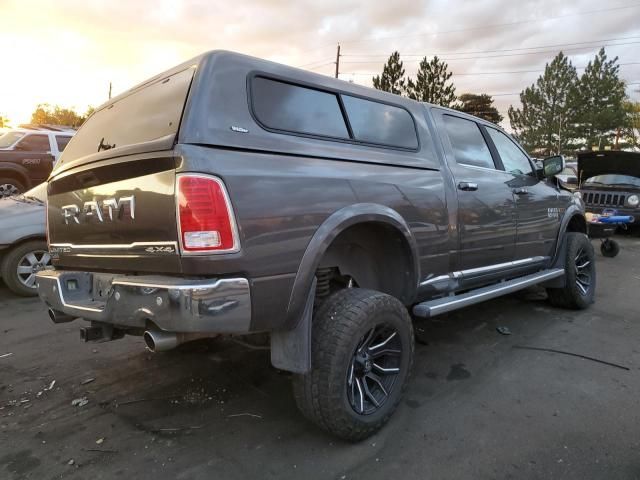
[[232, 195], [610, 180]]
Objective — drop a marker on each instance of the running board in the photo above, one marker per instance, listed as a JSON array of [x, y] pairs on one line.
[[439, 306]]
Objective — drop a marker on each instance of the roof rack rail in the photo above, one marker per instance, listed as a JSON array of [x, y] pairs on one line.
[[47, 126]]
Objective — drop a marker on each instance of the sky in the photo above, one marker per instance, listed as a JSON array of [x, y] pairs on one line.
[[66, 52]]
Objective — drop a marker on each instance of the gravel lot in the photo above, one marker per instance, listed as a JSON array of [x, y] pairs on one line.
[[478, 406]]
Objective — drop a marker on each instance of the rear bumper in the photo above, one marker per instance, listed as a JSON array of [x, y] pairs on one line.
[[220, 305]]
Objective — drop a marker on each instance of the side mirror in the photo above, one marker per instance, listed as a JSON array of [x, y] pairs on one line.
[[552, 165]]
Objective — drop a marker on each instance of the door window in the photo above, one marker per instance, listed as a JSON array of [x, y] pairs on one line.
[[469, 147], [513, 159], [34, 143]]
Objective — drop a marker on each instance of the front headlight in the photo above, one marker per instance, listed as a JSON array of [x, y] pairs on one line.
[[577, 195], [633, 200]]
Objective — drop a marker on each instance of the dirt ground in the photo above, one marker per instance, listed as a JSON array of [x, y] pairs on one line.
[[479, 405]]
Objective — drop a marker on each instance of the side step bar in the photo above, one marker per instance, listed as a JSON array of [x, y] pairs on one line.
[[439, 306]]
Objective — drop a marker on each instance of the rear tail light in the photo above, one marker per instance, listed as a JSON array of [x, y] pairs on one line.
[[205, 216]]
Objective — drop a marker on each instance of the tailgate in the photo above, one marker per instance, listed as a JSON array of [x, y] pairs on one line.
[[111, 202], [119, 216]]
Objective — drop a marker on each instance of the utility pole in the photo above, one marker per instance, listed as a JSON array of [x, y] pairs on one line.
[[338, 61], [109, 90]]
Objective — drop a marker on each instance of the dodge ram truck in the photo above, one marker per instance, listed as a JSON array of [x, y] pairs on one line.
[[235, 196]]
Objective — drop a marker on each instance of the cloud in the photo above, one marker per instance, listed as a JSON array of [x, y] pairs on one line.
[[68, 51]]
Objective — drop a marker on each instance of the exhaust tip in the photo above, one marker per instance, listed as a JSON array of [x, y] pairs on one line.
[[149, 341], [59, 317]]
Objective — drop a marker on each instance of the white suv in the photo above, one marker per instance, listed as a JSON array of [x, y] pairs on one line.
[[37, 138]]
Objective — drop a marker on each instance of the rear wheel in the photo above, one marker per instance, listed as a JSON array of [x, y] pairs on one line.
[[362, 352], [20, 265], [580, 275], [10, 186]]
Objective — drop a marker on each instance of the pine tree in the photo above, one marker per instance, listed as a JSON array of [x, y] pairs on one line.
[[392, 79], [600, 103], [433, 83], [543, 124], [480, 106]]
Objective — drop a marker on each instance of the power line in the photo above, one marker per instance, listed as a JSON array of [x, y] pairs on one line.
[[313, 63], [497, 25], [321, 65], [384, 55], [481, 73], [508, 54]]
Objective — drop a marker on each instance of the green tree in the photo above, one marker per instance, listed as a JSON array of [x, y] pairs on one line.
[[4, 121], [480, 106], [543, 124], [600, 98], [433, 83], [392, 78], [630, 133], [56, 115]]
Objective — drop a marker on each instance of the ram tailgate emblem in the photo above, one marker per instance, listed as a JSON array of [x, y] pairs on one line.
[[108, 209]]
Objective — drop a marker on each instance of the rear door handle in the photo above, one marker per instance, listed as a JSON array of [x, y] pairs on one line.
[[520, 191], [468, 186]]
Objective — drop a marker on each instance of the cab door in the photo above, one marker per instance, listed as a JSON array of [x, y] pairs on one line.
[[486, 210], [537, 201]]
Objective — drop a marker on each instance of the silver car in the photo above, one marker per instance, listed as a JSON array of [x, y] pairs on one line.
[[23, 246]]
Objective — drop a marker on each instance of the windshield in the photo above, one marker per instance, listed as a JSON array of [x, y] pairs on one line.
[[10, 138], [614, 179]]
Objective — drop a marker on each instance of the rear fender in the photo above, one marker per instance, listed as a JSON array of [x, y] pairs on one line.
[[291, 347]]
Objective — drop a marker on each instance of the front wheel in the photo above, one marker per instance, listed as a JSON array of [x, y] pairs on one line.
[[21, 264], [362, 353], [10, 187], [580, 275]]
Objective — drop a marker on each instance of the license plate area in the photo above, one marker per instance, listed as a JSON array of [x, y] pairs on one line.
[[102, 287]]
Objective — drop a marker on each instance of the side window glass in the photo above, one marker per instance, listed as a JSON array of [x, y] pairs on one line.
[[375, 122], [469, 147], [34, 143], [62, 141], [513, 159], [293, 108]]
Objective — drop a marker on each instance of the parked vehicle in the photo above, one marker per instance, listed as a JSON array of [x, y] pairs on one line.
[[610, 179], [23, 245], [27, 156], [232, 195]]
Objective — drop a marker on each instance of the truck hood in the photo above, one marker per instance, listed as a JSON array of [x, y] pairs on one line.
[[20, 220], [591, 164]]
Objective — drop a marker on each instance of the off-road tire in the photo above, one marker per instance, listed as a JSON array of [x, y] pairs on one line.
[[11, 181], [338, 326], [610, 248], [570, 296], [9, 266]]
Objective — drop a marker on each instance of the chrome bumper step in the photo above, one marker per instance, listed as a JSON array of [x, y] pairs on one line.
[[442, 305]]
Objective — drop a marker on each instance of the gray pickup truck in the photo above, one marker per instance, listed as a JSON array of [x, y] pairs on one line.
[[232, 195]]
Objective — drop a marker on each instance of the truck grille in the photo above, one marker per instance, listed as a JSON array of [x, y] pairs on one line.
[[603, 199]]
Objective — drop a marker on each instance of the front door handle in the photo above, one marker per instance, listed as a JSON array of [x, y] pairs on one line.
[[468, 186], [520, 191]]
